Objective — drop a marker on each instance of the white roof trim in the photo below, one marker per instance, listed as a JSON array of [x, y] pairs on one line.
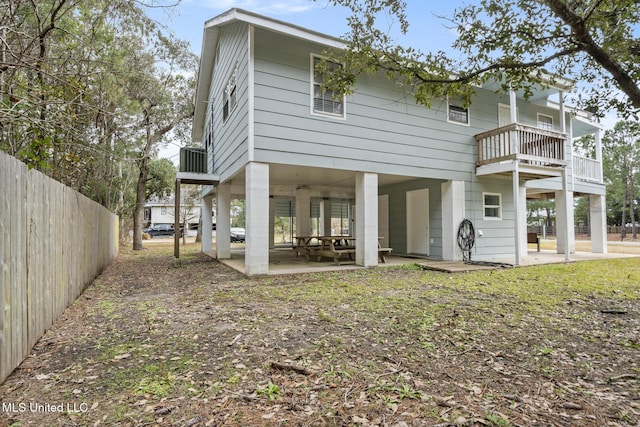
[[240, 15]]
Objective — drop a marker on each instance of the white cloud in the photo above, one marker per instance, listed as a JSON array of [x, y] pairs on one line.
[[273, 7]]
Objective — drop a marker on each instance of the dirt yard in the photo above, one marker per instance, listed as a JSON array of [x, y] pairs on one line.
[[149, 343]]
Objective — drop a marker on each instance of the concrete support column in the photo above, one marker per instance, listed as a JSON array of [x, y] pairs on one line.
[[256, 254], [223, 221], [207, 223], [598, 223], [453, 208], [325, 217], [303, 212], [565, 234], [366, 219]]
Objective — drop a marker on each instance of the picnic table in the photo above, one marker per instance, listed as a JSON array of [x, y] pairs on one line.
[[334, 247], [303, 245]]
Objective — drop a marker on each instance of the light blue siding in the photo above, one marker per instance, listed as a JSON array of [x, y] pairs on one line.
[[384, 130], [498, 236], [230, 147]]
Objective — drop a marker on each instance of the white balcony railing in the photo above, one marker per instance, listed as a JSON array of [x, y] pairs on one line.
[[587, 169], [526, 144]]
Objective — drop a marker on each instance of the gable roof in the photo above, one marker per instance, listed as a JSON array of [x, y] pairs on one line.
[[210, 41]]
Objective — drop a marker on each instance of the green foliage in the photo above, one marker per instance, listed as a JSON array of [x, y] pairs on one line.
[[621, 162], [496, 421], [161, 179], [84, 85], [272, 391], [541, 211], [524, 45]]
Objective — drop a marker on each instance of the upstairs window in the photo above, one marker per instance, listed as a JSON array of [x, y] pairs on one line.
[[456, 113], [492, 205], [545, 122], [324, 101], [229, 97]]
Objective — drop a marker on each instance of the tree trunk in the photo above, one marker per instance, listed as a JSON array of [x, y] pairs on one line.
[[623, 231], [632, 215], [199, 233], [143, 163], [138, 213]]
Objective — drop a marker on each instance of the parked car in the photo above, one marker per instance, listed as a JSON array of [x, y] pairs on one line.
[[161, 230], [237, 234]]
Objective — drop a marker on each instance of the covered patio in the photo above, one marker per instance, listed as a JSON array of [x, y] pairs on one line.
[[284, 261]]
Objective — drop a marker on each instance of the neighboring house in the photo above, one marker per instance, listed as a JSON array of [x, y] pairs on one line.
[[409, 174], [162, 211]]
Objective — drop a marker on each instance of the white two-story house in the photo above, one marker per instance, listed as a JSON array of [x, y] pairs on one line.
[[409, 174]]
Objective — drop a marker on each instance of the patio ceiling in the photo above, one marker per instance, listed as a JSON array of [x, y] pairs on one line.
[[285, 178]]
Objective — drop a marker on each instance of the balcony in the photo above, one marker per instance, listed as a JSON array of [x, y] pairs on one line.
[[587, 169], [193, 167], [193, 160], [537, 152]]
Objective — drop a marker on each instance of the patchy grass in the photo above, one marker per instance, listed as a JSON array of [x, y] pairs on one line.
[[152, 343]]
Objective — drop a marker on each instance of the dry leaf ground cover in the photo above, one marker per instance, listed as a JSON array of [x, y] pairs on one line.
[[149, 343]]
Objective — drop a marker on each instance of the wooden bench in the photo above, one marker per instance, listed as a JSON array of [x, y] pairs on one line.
[[336, 254], [533, 238], [382, 252]]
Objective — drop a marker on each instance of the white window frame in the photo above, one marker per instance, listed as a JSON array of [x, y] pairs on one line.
[[545, 125], [485, 206], [507, 107], [313, 85], [457, 105], [230, 95]]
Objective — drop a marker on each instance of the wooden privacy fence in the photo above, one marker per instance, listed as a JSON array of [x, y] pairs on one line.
[[53, 243]]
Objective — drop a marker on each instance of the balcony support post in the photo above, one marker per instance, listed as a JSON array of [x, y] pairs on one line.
[[598, 137], [563, 119], [513, 109], [176, 222]]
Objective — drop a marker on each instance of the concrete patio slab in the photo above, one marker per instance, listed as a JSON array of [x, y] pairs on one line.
[[284, 261]]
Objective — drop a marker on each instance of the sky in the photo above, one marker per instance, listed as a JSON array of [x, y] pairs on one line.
[[187, 19]]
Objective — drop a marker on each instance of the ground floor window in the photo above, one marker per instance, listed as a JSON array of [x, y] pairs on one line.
[[492, 204]]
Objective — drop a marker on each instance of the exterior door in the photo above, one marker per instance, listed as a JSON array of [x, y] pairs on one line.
[[418, 222], [383, 220], [504, 115]]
